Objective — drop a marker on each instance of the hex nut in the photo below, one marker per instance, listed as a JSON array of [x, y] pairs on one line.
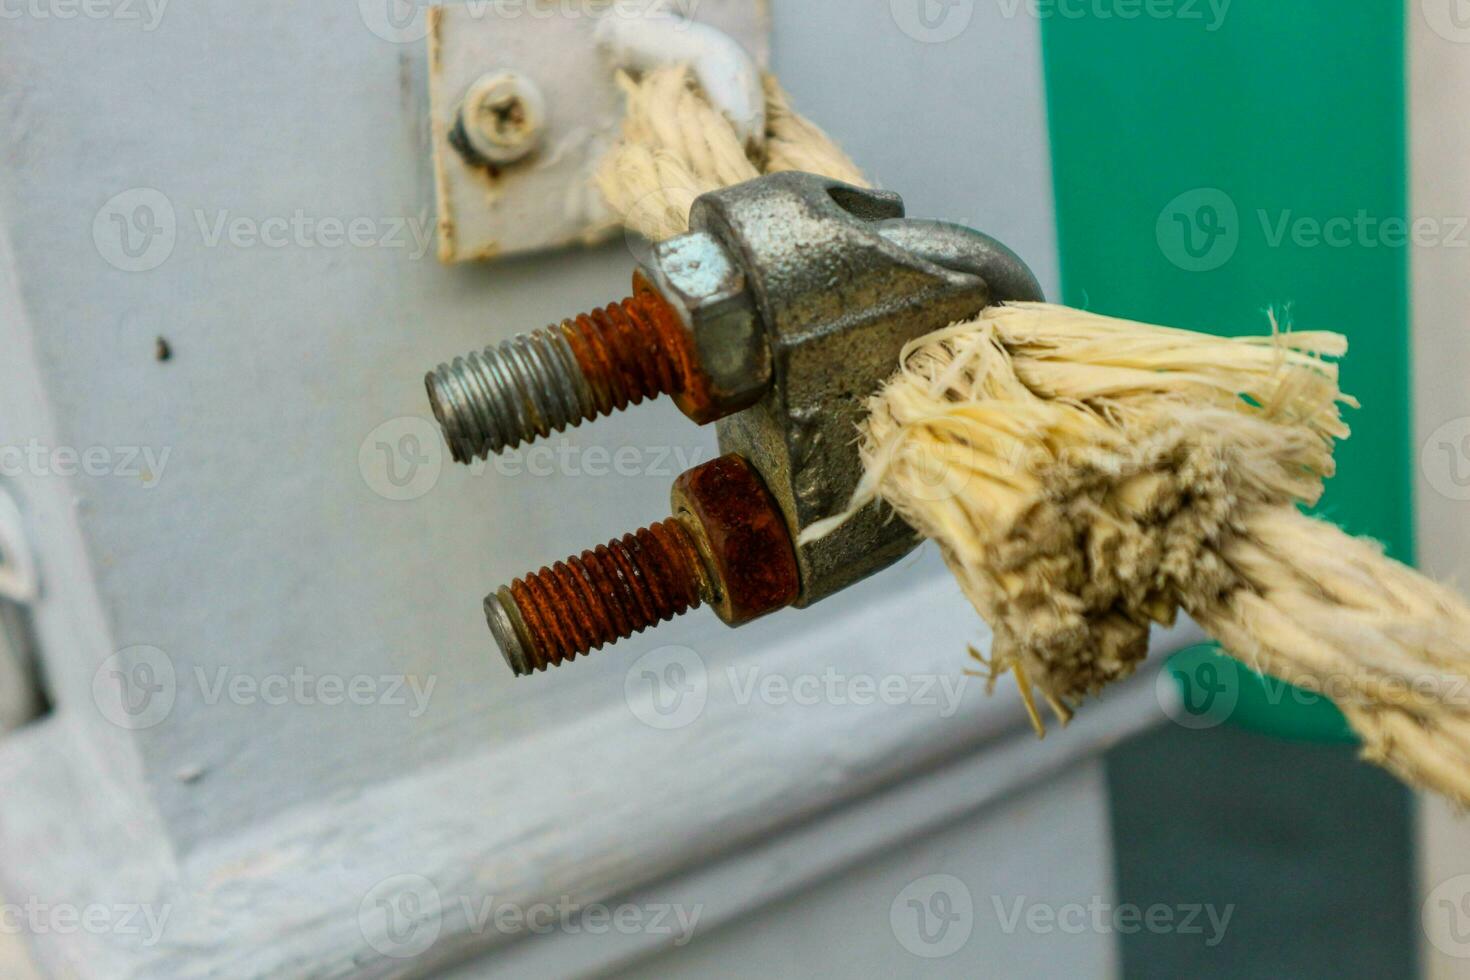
[[741, 536], [729, 364]]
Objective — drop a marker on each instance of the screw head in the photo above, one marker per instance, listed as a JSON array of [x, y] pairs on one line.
[[741, 536], [503, 115]]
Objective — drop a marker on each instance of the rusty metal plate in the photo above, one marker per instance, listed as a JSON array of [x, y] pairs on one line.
[[546, 199]]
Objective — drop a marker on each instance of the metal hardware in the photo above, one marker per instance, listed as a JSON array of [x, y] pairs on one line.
[[777, 316], [500, 119], [727, 545], [523, 105], [693, 333]]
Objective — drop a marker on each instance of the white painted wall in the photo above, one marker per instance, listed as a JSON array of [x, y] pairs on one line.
[[1048, 847], [263, 549]]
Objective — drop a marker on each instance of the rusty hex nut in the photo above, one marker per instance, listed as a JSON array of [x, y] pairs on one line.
[[742, 538], [728, 356]]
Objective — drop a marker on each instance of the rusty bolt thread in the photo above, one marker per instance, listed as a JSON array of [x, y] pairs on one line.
[[544, 382], [608, 594]]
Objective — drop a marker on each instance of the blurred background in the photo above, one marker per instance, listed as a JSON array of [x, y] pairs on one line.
[[253, 723]]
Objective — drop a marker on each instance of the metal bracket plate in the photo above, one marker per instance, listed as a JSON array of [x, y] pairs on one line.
[[545, 200], [20, 699]]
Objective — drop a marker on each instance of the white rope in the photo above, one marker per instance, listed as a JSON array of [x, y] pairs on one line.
[[676, 146], [1086, 477]]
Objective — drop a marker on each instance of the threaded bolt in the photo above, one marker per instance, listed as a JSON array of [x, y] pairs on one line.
[[558, 377], [608, 594], [728, 546]]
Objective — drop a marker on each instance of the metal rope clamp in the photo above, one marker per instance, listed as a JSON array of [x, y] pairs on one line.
[[777, 316]]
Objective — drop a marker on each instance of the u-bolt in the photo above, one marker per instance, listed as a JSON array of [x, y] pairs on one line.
[[793, 296]]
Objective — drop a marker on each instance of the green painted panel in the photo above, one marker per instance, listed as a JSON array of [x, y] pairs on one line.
[[1212, 161]]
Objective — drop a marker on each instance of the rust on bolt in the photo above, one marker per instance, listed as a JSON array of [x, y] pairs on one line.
[[726, 545], [637, 350]]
